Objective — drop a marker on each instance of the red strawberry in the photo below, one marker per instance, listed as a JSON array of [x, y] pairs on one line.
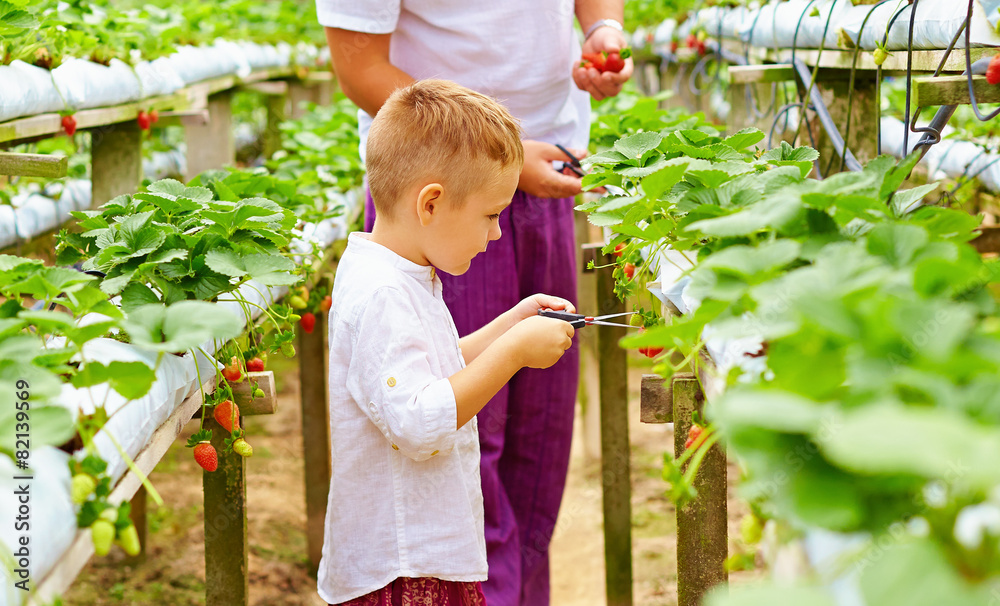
[[326, 304], [69, 125], [232, 371], [144, 120], [255, 365], [652, 352], [702, 49], [154, 116], [227, 414], [993, 70], [673, 46], [693, 434], [596, 60], [619, 248], [629, 270], [616, 61], [691, 41], [205, 455], [308, 321]]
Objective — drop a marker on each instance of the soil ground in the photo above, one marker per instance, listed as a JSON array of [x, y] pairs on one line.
[[172, 574]]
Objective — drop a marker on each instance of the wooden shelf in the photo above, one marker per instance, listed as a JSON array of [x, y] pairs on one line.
[[953, 90], [33, 165]]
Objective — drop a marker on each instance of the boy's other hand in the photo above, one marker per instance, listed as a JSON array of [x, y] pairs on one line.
[[539, 342], [539, 179], [529, 306]]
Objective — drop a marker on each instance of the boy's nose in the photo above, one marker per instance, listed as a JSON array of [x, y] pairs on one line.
[[495, 233]]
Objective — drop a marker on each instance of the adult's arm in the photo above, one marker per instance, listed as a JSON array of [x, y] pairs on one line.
[[361, 62]]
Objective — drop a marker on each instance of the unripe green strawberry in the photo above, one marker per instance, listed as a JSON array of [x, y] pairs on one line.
[[880, 55], [296, 302], [242, 448], [258, 392], [288, 349], [83, 486], [129, 540], [102, 532], [636, 320], [751, 529]]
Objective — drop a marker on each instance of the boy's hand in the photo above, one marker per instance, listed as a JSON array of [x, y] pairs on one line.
[[529, 306], [539, 342]]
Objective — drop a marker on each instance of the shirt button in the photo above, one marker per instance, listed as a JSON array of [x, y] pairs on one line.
[[391, 382], [394, 447], [435, 452]]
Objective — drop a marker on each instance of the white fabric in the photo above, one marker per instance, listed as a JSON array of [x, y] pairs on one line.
[[519, 51], [405, 491], [935, 24], [25, 90]]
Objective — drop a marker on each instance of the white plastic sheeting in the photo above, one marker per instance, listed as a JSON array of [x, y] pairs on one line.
[[935, 25], [34, 213], [80, 84]]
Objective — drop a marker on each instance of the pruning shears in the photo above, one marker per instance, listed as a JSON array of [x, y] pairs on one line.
[[580, 320], [573, 165]]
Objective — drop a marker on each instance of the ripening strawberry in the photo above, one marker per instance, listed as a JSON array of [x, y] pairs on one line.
[[154, 116], [227, 414], [308, 321], [255, 365], [693, 434], [205, 456], [69, 125], [143, 119], [596, 60], [993, 70], [616, 60], [326, 304], [232, 371], [629, 270]]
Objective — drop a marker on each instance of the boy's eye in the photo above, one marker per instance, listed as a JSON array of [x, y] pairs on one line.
[[496, 216]]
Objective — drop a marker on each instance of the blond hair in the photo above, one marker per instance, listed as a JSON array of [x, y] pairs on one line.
[[439, 130]]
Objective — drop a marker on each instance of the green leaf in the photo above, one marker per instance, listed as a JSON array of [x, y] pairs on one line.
[[634, 146], [180, 327], [770, 595], [663, 179], [751, 260], [226, 262], [773, 410], [744, 138], [897, 242], [136, 295], [768, 213]]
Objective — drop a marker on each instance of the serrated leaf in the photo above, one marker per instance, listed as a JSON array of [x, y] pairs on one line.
[[634, 146], [744, 138], [226, 262]]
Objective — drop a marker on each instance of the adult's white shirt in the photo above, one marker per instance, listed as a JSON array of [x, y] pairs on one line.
[[520, 52], [405, 491]]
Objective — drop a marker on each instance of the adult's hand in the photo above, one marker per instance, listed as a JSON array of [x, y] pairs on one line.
[[539, 179], [606, 84]]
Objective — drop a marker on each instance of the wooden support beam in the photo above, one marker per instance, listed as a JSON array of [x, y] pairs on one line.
[[315, 434], [589, 390], [33, 165], [137, 513], [115, 161], [988, 240], [615, 451], [747, 74], [702, 524], [953, 90], [227, 579], [72, 561], [184, 117], [656, 403], [256, 406], [211, 145], [277, 112], [267, 87], [298, 95], [865, 104]]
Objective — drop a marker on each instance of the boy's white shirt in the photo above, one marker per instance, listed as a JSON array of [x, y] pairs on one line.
[[405, 492], [519, 51]]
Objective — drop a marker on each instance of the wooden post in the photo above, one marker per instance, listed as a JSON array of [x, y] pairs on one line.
[[863, 119], [137, 513], [115, 161], [615, 467], [211, 145], [300, 93], [227, 582], [315, 434], [702, 531], [590, 384], [276, 114]]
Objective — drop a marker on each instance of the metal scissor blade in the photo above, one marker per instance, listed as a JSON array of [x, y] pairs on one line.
[[599, 323], [627, 313]]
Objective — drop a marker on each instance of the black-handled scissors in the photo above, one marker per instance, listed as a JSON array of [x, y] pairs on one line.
[[580, 320], [573, 165]]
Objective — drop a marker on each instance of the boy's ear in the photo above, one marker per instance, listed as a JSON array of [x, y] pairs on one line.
[[429, 203]]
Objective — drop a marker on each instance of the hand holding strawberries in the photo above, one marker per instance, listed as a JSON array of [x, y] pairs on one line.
[[607, 43]]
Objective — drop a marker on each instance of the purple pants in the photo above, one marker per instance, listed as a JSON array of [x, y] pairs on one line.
[[526, 429]]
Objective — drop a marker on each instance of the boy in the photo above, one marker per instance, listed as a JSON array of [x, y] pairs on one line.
[[405, 514]]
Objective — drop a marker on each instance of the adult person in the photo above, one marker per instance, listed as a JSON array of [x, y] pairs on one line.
[[526, 54]]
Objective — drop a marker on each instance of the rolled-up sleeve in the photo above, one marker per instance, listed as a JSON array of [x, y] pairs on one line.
[[368, 16], [390, 377]]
